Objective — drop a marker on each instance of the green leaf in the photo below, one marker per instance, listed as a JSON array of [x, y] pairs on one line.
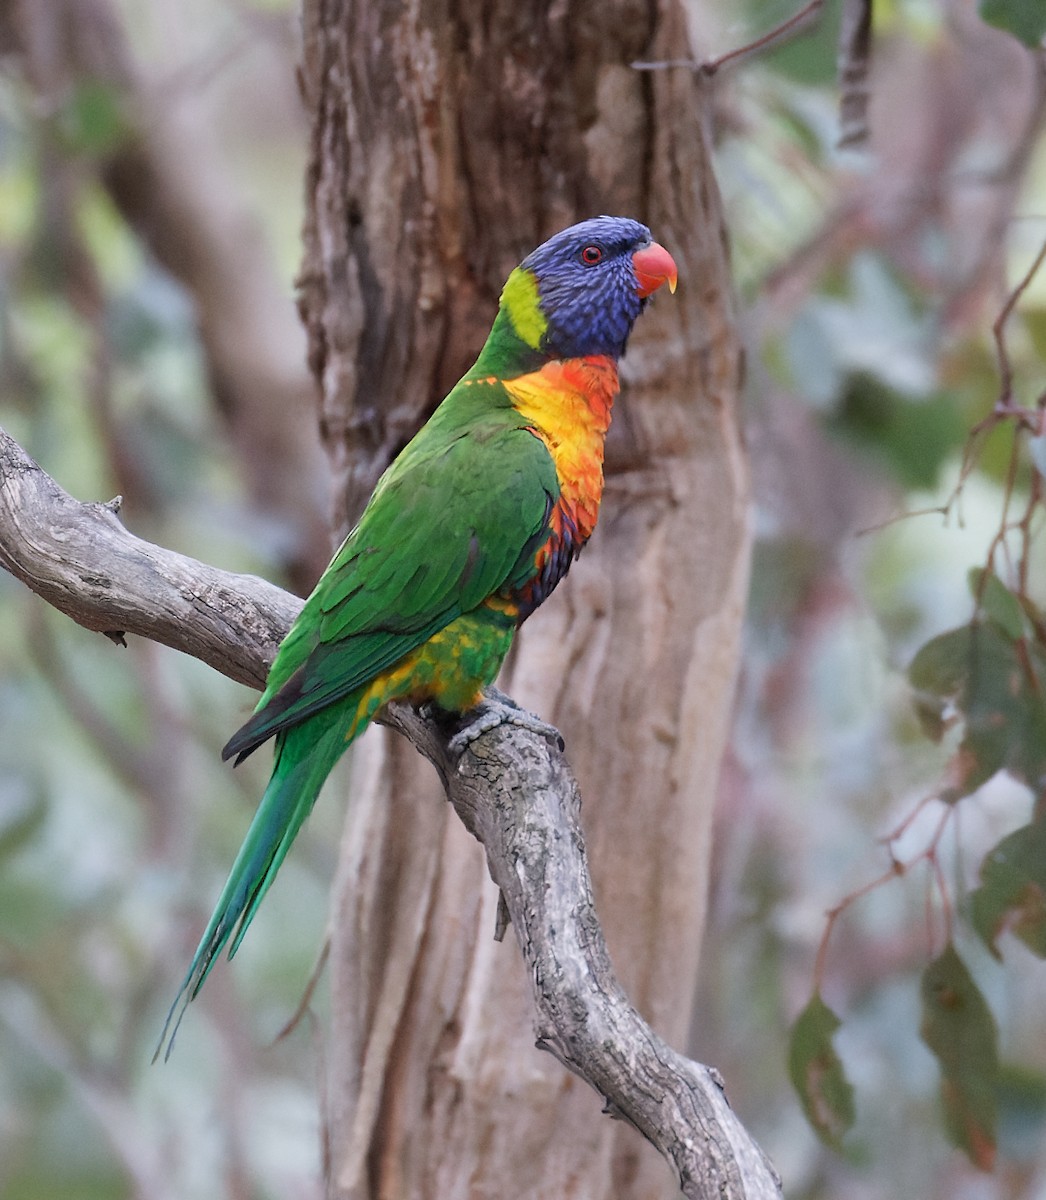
[[1012, 894], [938, 675], [942, 664], [997, 601], [997, 686], [960, 1031], [1025, 19], [1005, 707], [817, 1072]]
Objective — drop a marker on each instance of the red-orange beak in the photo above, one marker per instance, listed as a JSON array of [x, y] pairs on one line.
[[654, 266]]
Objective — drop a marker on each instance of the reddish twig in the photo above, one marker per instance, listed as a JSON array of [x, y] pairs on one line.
[[303, 1006], [898, 868], [933, 861], [999, 331], [709, 66], [1025, 419]]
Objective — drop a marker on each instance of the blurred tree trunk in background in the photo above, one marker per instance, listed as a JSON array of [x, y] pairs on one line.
[[447, 140], [166, 174]]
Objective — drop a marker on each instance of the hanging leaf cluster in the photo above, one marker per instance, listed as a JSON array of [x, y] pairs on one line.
[[983, 686]]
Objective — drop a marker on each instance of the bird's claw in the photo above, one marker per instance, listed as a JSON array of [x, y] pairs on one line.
[[497, 709]]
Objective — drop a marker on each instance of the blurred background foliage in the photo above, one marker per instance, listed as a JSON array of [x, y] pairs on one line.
[[151, 156]]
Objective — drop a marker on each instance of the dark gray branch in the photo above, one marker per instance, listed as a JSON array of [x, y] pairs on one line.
[[513, 790]]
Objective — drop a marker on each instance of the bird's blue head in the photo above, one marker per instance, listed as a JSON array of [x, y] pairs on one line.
[[580, 292]]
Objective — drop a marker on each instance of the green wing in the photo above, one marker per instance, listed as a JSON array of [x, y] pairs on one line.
[[458, 516]]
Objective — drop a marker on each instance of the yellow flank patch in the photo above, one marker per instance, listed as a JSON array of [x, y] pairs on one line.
[[452, 667], [520, 299]]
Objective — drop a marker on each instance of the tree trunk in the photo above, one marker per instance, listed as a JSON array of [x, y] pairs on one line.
[[448, 139]]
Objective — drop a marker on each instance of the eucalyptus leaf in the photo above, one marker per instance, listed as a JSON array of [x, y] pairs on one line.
[[995, 684], [1012, 894], [960, 1031], [997, 601], [817, 1072]]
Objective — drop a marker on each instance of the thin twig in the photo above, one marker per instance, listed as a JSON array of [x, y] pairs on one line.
[[1025, 419], [833, 915], [709, 66], [306, 997], [999, 329], [898, 868], [931, 855]]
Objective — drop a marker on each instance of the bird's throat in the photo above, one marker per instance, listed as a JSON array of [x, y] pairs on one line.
[[568, 405]]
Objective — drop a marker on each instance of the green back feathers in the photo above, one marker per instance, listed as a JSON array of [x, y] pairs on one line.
[[457, 517]]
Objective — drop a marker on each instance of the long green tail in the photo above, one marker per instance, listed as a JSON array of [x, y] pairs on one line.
[[304, 757]]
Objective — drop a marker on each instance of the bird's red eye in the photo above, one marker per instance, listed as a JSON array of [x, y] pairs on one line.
[[591, 255]]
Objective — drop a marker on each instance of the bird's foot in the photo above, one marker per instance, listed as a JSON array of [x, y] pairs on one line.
[[497, 709]]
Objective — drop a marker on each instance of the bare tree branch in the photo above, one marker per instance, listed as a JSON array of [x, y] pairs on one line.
[[513, 790], [80, 559], [516, 794]]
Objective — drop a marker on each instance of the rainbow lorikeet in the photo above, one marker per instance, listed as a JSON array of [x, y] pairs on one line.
[[467, 532]]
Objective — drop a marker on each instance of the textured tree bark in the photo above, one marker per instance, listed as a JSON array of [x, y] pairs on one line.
[[448, 139]]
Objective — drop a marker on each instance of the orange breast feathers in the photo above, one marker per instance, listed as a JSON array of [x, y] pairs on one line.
[[568, 405]]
